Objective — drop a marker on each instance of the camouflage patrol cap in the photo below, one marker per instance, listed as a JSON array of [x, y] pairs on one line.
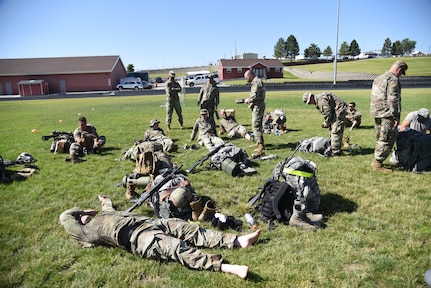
[[204, 111], [171, 73], [154, 121], [181, 197], [402, 65], [306, 97]]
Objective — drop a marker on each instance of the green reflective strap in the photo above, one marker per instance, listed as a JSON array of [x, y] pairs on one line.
[[298, 172]]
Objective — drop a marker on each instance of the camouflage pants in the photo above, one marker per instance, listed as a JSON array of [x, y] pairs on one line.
[[170, 106], [178, 240], [386, 134], [257, 122], [209, 141], [238, 131], [337, 131]]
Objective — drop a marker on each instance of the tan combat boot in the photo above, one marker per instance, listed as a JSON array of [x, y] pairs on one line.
[[378, 166], [130, 190], [300, 219], [208, 212], [196, 206], [259, 152], [315, 218]]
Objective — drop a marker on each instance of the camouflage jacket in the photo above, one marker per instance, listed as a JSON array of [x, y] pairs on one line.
[[330, 106], [209, 96], [228, 123], [172, 88], [203, 127], [257, 93], [154, 134], [386, 97]]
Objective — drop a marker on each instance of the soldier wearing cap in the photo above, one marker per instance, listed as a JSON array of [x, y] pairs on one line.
[[333, 109], [209, 98], [156, 134], [417, 120], [385, 108], [207, 136], [172, 89]]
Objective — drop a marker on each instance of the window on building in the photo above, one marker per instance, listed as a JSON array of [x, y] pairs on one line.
[[239, 70], [229, 70]]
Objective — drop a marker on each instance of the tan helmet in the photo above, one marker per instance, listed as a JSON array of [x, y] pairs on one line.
[[181, 197]]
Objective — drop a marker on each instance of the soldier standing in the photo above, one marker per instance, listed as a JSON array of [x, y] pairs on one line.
[[385, 108], [256, 102], [209, 98], [172, 89]]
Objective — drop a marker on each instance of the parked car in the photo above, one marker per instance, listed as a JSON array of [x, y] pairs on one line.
[[135, 85], [201, 79], [147, 85], [158, 80]]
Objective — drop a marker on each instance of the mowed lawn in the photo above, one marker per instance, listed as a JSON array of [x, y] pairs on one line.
[[376, 231]]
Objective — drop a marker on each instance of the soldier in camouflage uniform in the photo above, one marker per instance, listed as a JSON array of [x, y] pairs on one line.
[[256, 102], [207, 136], [333, 110], [156, 134], [172, 89], [209, 98], [385, 108], [353, 117], [86, 140], [164, 239], [229, 125]]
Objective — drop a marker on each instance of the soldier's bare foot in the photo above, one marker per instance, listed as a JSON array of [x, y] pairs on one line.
[[238, 270], [247, 240]]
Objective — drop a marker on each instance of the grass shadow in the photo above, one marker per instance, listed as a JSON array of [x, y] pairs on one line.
[[331, 204]]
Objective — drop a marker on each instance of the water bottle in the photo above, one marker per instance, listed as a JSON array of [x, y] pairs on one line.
[[250, 220], [277, 132]]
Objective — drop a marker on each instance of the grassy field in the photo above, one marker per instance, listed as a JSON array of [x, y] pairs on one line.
[[376, 231]]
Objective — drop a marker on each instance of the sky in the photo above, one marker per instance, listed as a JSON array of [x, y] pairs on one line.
[[175, 34]]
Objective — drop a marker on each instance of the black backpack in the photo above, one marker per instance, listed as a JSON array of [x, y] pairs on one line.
[[274, 202]]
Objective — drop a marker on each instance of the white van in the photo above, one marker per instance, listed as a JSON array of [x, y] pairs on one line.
[[201, 79]]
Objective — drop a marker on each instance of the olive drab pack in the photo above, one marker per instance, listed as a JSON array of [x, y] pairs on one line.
[[230, 158], [151, 162], [164, 203]]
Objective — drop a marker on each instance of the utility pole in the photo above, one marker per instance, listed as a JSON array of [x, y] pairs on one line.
[[336, 44]]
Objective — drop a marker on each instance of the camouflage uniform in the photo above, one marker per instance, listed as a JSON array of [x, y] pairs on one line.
[[232, 127], [206, 135], [333, 110], [257, 105], [385, 108], [209, 98], [89, 134], [164, 239], [351, 116], [158, 135], [172, 89]]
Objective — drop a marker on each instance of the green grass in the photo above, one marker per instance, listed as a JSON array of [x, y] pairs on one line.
[[376, 231]]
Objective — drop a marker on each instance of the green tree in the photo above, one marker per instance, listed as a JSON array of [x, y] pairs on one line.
[[354, 48], [327, 52], [408, 46], [291, 47], [344, 49], [312, 52], [396, 49], [279, 49], [387, 46], [130, 68]]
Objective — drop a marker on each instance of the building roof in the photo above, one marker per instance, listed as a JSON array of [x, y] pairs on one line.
[[234, 63], [60, 65]]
